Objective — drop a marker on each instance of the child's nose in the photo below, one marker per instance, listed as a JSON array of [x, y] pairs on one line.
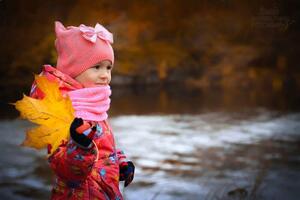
[[103, 75]]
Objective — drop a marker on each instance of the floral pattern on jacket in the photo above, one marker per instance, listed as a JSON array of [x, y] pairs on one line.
[[81, 176]]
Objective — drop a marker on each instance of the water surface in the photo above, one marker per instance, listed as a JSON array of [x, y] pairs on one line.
[[184, 145]]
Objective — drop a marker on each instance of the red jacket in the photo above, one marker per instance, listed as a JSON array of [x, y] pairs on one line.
[[84, 174]]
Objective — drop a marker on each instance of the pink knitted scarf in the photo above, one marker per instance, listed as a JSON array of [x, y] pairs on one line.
[[91, 104]]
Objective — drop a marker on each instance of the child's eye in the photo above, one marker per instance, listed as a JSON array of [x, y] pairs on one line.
[[109, 67], [97, 67]]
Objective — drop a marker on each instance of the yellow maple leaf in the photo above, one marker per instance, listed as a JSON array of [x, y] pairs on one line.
[[53, 114]]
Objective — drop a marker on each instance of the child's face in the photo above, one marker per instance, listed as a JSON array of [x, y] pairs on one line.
[[98, 74]]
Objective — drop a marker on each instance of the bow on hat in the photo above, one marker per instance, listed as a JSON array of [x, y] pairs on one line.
[[99, 31]]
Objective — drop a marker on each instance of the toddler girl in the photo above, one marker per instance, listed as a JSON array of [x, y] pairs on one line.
[[88, 166]]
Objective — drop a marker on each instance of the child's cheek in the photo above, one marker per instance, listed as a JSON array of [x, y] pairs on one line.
[[89, 82]]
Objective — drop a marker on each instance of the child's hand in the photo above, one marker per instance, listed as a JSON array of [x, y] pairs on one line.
[[127, 172], [82, 133]]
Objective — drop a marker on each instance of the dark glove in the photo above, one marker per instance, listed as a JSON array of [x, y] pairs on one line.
[[126, 172], [77, 134]]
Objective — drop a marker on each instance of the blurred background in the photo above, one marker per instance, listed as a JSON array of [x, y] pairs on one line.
[[205, 94]]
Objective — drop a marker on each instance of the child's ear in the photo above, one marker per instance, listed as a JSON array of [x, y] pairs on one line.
[[59, 28]]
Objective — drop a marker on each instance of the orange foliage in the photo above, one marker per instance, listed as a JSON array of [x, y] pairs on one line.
[[209, 39]]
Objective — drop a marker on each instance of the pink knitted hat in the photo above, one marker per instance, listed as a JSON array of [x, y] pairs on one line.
[[81, 47]]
